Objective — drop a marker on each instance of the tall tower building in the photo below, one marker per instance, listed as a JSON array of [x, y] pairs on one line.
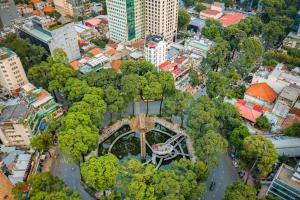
[[73, 8], [12, 75], [8, 13], [125, 19], [161, 18]]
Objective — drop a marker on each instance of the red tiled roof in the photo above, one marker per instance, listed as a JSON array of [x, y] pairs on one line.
[[116, 64], [74, 64], [35, 12], [248, 113], [110, 51], [177, 71], [138, 43], [48, 9], [6, 187], [151, 44], [95, 51], [42, 94], [35, 1], [231, 18], [166, 66], [210, 12], [180, 59], [262, 91]]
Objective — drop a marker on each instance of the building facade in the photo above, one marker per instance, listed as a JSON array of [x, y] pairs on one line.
[[12, 75], [125, 19], [161, 18], [155, 50], [64, 37], [286, 183], [8, 13], [73, 8], [15, 134]]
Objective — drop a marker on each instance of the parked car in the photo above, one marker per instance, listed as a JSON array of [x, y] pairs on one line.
[[241, 174], [212, 186], [235, 163]]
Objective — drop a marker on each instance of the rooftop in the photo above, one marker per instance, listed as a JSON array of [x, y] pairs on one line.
[[290, 92], [37, 32], [262, 91], [5, 53], [210, 12], [13, 113], [197, 23], [231, 18], [95, 51], [285, 174], [246, 112], [286, 145], [116, 64], [153, 40], [5, 188]]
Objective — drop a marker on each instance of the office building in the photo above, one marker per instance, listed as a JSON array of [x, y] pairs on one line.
[[125, 19], [155, 50], [286, 183], [8, 13], [12, 75], [59, 36], [73, 8], [161, 18]]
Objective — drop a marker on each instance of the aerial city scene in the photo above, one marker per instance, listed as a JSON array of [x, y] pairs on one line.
[[149, 99]]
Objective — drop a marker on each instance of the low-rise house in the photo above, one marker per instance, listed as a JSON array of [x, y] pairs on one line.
[[196, 24], [215, 11], [286, 183], [231, 18], [261, 94], [285, 145], [85, 33], [248, 111], [286, 100], [292, 40], [42, 107], [279, 78], [199, 47]]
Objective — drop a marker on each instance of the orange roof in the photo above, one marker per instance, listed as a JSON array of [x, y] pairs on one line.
[[116, 64], [210, 12], [49, 9], [74, 64], [262, 91], [110, 51], [180, 59], [49, 1], [95, 51], [248, 113], [6, 188], [35, 12], [231, 18], [42, 94], [35, 1], [138, 43]]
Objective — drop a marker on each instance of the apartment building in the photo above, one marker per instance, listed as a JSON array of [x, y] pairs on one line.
[[161, 18], [12, 75], [155, 50], [73, 8], [125, 19], [8, 13], [60, 36]]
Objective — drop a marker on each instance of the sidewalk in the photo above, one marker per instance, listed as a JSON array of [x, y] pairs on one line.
[[50, 160]]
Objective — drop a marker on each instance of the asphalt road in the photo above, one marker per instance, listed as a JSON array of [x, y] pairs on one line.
[[223, 175]]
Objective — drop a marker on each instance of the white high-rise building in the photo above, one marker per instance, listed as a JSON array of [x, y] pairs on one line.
[[12, 75], [125, 19], [161, 18], [155, 50]]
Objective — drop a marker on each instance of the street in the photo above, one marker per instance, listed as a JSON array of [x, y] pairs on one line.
[[223, 175]]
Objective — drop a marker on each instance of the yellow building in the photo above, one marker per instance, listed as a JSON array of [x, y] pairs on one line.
[[12, 75]]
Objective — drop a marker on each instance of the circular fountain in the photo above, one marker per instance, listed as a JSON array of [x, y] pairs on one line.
[[149, 139]]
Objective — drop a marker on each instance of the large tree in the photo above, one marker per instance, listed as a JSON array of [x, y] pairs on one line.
[[235, 37], [114, 100], [258, 152], [139, 67], [101, 79], [253, 49], [100, 173], [212, 30], [202, 116], [39, 74], [184, 19], [44, 186], [217, 85], [131, 87], [292, 130], [217, 56], [178, 105], [77, 137], [209, 147], [237, 136], [42, 142], [240, 191], [167, 85], [272, 33]]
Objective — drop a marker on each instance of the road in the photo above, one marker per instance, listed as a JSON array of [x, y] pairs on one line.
[[223, 175]]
